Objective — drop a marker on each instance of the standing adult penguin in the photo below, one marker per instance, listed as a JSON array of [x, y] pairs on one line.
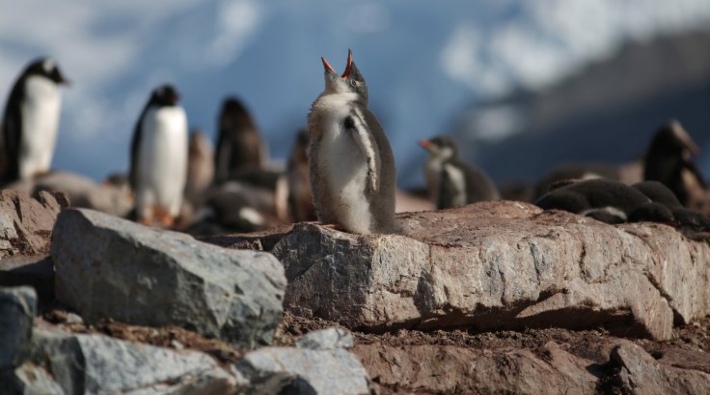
[[159, 158], [239, 145], [451, 181], [31, 120], [351, 163], [669, 161]]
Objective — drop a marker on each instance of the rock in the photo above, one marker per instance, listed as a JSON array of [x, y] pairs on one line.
[[326, 339], [497, 265], [17, 312], [640, 373], [452, 369], [26, 223], [29, 379], [272, 370], [110, 267], [35, 271], [99, 364], [84, 192]]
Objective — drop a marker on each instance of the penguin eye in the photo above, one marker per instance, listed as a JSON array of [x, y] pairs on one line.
[[353, 83]]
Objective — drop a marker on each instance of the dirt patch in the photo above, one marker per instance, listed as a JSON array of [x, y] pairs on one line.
[[173, 337]]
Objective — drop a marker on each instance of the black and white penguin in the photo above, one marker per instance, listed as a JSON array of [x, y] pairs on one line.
[[300, 198], [31, 120], [451, 181], [669, 161], [239, 145], [352, 169], [159, 158], [606, 200]]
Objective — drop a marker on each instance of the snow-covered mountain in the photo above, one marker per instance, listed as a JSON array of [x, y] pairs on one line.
[[423, 61]]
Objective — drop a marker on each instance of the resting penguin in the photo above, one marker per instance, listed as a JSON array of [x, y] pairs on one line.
[[239, 144], [669, 161], [451, 181], [351, 163], [693, 224], [159, 158], [31, 120], [608, 201]]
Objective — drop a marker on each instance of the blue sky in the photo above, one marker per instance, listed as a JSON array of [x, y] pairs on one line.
[[423, 61]]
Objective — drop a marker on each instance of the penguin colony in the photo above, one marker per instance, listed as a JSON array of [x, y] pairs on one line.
[[341, 170]]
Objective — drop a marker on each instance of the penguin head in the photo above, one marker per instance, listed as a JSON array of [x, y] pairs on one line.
[[672, 139], [441, 147], [351, 81], [164, 95], [48, 68]]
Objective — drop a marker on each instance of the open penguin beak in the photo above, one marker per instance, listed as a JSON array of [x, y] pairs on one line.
[[348, 66], [426, 144], [685, 139]]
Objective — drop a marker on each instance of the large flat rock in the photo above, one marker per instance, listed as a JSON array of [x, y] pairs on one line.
[[107, 267], [495, 265]]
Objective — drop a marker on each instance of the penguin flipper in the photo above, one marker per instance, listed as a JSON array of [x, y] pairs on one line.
[[355, 126], [135, 147]]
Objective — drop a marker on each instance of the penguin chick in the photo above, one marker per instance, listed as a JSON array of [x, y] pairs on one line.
[[200, 167], [30, 121], [693, 224], [239, 144], [669, 161], [300, 199], [352, 170], [451, 181], [609, 201], [159, 158]]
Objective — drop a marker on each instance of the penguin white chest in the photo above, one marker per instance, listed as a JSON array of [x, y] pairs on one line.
[[40, 121], [162, 159], [346, 171], [432, 172]]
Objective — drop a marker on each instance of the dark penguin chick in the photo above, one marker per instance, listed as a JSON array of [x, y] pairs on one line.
[[159, 158], [239, 144], [300, 199], [452, 182], [695, 225], [352, 170], [200, 167], [31, 121], [607, 200], [669, 161], [575, 171]]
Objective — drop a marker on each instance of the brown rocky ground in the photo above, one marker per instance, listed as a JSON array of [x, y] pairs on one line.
[[397, 361]]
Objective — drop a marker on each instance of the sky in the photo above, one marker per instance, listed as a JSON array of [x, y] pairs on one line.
[[424, 61]]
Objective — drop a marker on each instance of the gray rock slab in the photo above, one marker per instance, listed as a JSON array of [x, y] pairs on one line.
[[99, 364], [17, 311], [496, 265], [109, 267], [302, 371], [326, 339]]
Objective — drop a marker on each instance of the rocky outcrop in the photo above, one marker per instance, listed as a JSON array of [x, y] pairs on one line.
[[496, 265], [109, 267], [323, 369], [26, 223], [82, 192], [99, 364], [17, 311]]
